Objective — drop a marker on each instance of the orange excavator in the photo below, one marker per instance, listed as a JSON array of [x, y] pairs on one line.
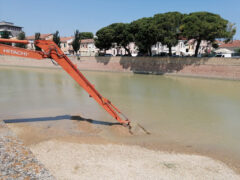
[[50, 50]]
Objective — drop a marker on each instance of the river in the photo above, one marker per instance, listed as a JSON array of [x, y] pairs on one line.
[[202, 114]]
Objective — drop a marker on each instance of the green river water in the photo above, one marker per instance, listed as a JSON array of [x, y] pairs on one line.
[[196, 112]]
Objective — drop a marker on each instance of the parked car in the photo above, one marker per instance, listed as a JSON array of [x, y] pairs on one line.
[[223, 55]]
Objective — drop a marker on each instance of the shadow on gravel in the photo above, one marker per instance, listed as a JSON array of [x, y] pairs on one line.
[[57, 118]]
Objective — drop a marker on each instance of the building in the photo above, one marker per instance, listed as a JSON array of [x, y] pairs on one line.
[[120, 51], [223, 51], [180, 49], [32, 38], [228, 49], [88, 48], [66, 45], [231, 46], [10, 27], [205, 47], [183, 48]]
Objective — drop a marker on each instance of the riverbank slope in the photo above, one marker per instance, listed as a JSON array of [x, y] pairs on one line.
[[222, 68]]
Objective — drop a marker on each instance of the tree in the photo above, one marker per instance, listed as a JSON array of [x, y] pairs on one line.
[[145, 34], [237, 50], [76, 41], [56, 39], [21, 36], [231, 31], [6, 35], [37, 37], [206, 26], [86, 35], [215, 45], [168, 25], [117, 33], [104, 38], [122, 35]]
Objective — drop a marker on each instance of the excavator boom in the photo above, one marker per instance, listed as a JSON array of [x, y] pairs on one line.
[[51, 50]]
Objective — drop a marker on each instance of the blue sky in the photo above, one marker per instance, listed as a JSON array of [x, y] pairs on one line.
[[47, 16]]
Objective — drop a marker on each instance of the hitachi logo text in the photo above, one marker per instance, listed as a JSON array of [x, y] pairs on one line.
[[20, 53]]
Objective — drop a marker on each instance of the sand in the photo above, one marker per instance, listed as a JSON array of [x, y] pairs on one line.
[[68, 160], [78, 149]]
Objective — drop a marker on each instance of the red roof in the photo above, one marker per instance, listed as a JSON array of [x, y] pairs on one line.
[[42, 36], [232, 44], [65, 39], [87, 41]]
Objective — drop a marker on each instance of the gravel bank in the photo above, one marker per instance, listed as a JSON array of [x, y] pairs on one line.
[[16, 160], [88, 161]]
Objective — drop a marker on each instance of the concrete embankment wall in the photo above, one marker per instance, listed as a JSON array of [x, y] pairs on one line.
[[224, 68]]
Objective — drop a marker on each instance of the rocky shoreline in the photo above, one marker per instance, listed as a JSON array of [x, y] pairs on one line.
[[16, 160]]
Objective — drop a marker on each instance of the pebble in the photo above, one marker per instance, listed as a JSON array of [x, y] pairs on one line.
[[17, 162]]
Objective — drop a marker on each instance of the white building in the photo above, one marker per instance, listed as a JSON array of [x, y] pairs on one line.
[[205, 47], [120, 51], [180, 49], [183, 48], [88, 48], [66, 45], [229, 47]]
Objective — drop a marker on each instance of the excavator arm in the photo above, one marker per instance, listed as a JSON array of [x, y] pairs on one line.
[[51, 50]]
